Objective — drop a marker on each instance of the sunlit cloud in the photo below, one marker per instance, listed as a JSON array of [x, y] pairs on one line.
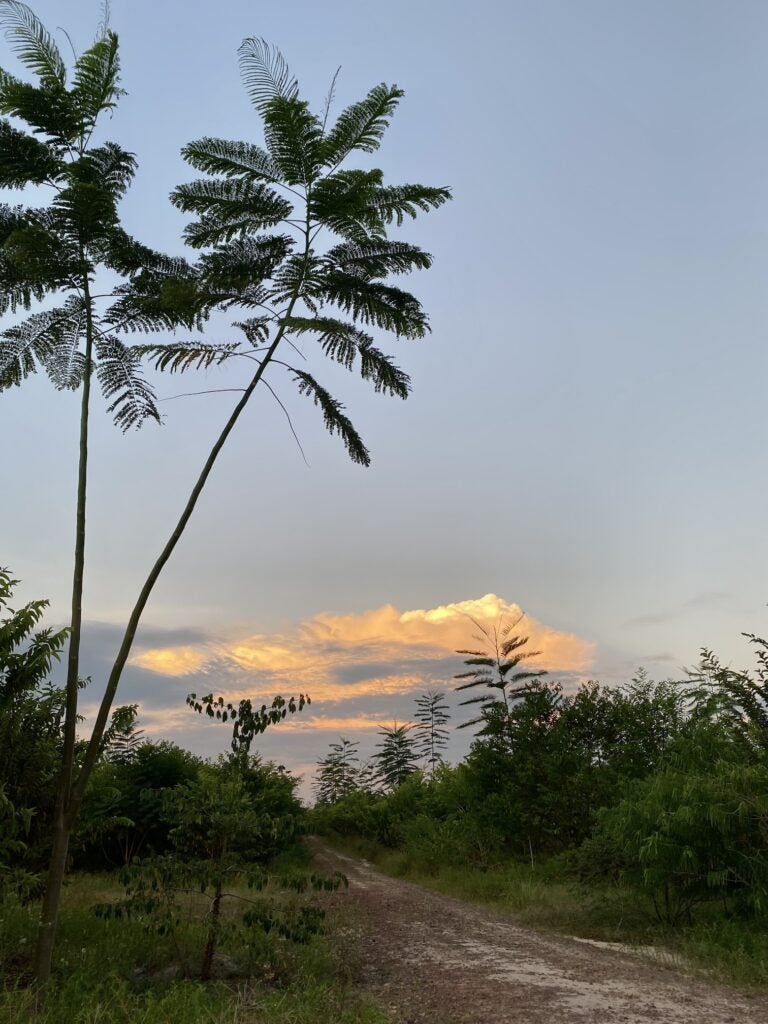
[[379, 652], [171, 661]]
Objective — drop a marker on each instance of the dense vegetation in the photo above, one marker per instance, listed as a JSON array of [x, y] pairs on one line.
[[652, 793]]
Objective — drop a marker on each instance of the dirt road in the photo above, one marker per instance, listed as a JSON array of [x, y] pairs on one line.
[[429, 958]]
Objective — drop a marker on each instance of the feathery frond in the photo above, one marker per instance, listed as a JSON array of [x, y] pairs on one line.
[[95, 78], [32, 43], [231, 159], [244, 261], [25, 160], [109, 167], [177, 357], [228, 207], [49, 110], [396, 202], [333, 414], [65, 363], [387, 377], [386, 307], [362, 125], [377, 258], [293, 136], [265, 74], [344, 203], [256, 329], [33, 341], [119, 372], [344, 342]]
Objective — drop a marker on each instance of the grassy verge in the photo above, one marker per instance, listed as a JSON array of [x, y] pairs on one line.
[[116, 972], [726, 948]]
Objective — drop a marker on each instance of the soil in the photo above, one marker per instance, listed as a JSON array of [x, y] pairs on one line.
[[425, 957]]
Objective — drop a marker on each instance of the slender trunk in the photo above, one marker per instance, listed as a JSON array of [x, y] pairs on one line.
[[213, 936], [63, 821], [92, 752]]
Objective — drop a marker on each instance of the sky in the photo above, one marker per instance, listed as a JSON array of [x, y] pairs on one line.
[[585, 441]]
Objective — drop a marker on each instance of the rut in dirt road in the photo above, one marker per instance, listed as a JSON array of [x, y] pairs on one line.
[[430, 958]]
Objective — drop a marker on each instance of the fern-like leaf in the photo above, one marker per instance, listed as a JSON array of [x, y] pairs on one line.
[[65, 363], [389, 308], [108, 167], [177, 357], [396, 202], [32, 43], [118, 369], [344, 203], [231, 159], [387, 377], [256, 329], [336, 421], [245, 261], [265, 73], [378, 258], [344, 343], [25, 160], [293, 136], [95, 78], [23, 346], [230, 207], [362, 125]]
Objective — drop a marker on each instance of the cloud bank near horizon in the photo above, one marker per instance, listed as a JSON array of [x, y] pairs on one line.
[[377, 653]]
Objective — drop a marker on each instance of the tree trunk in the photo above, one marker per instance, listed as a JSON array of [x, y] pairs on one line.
[[213, 936], [64, 817]]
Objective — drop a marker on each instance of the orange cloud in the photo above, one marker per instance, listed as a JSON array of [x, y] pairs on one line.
[[313, 658], [171, 661]]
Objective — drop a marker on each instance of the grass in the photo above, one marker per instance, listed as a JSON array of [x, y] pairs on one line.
[[114, 972], [728, 949]]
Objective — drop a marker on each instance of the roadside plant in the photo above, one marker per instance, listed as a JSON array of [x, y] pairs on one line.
[[431, 715], [396, 757], [217, 824], [337, 772], [493, 669]]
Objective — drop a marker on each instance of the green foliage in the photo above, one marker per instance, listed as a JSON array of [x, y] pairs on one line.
[[31, 712], [295, 183], [431, 715], [61, 247], [695, 831], [396, 757], [337, 772], [118, 971], [492, 668], [247, 721], [218, 825]]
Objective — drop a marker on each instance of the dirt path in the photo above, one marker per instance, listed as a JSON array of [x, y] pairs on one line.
[[430, 958]]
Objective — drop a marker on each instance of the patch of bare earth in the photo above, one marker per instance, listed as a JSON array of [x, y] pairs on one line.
[[428, 957]]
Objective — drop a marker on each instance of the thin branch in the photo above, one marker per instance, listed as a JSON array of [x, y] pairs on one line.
[[288, 417], [192, 394]]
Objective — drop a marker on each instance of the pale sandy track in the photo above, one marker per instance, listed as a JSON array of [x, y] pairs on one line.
[[429, 958]]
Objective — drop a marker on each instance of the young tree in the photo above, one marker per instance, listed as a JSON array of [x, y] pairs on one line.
[[57, 250], [337, 774], [288, 288], [432, 738], [493, 669], [397, 757]]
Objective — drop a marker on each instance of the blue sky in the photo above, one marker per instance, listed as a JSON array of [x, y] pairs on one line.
[[586, 438]]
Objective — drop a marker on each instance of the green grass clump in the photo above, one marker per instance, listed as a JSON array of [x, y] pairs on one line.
[[115, 971]]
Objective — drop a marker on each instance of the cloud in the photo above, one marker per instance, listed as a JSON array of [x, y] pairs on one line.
[[376, 653], [171, 661]]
